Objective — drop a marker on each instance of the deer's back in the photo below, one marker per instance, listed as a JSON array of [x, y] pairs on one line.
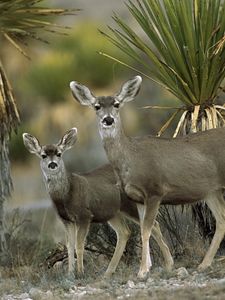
[[185, 168]]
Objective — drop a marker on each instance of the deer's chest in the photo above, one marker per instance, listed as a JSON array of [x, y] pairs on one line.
[[72, 210], [123, 172]]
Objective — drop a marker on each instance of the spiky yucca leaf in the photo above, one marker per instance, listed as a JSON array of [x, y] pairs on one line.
[[181, 47], [9, 116], [20, 19]]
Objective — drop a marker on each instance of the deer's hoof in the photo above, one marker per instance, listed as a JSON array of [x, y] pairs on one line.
[[203, 267], [107, 275], [142, 275]]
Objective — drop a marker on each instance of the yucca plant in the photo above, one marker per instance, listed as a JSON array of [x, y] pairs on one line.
[[19, 20], [179, 44]]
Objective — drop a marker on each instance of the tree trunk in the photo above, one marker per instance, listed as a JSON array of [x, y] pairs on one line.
[[9, 119]]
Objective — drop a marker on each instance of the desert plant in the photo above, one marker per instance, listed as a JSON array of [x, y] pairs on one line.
[[183, 49], [19, 20], [73, 55]]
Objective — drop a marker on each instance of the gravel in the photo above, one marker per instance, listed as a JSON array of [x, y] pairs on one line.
[[177, 284]]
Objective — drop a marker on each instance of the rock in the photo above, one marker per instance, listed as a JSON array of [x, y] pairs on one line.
[[130, 284], [221, 281], [150, 281], [35, 293], [140, 285], [25, 296], [49, 295], [182, 273], [81, 294], [101, 259], [8, 297]]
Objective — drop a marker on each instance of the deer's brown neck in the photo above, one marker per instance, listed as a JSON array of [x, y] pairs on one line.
[[117, 150], [116, 145], [58, 185]]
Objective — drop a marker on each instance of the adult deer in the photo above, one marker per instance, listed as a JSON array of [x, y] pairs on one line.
[[83, 199], [154, 171]]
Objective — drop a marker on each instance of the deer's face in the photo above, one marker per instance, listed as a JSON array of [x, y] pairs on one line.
[[107, 108], [107, 111], [50, 155], [51, 159]]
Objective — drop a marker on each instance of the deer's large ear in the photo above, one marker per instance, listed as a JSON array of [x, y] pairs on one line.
[[82, 93], [68, 140], [129, 90], [32, 144]]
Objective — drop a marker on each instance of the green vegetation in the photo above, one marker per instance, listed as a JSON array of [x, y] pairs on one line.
[[22, 19], [19, 20], [183, 50], [73, 56]]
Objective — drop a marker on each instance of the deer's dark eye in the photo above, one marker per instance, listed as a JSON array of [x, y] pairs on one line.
[[116, 104], [58, 154], [97, 106], [43, 156]]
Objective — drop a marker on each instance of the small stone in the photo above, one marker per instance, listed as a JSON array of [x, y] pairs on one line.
[[101, 259], [221, 281], [8, 297], [150, 280], [141, 285], [24, 296], [49, 295], [35, 293], [182, 273], [130, 284], [81, 294]]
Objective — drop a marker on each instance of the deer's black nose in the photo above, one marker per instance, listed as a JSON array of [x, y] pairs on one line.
[[52, 165], [108, 121]]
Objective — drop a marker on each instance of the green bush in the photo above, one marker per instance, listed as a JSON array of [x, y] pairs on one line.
[[17, 151], [72, 57]]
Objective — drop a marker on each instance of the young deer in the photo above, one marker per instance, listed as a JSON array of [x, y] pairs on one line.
[[83, 199], [154, 171]]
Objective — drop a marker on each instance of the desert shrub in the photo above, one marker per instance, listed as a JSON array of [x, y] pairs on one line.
[[17, 150], [72, 57], [182, 234], [25, 242]]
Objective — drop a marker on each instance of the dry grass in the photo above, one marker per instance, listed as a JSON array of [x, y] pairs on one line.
[[24, 265]]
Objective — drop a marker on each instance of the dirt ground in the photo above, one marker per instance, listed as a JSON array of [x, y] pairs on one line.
[[181, 283]]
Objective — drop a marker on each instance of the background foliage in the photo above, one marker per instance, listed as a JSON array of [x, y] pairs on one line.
[[72, 56]]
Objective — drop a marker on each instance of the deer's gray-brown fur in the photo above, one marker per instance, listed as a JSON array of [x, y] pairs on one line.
[[154, 171], [83, 199]]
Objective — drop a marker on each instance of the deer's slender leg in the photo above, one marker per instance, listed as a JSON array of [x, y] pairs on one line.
[[216, 204], [71, 229], [82, 231], [122, 232], [147, 218], [141, 212], [156, 233], [158, 237]]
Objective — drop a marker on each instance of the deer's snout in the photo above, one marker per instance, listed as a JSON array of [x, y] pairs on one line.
[[108, 121], [52, 165]]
